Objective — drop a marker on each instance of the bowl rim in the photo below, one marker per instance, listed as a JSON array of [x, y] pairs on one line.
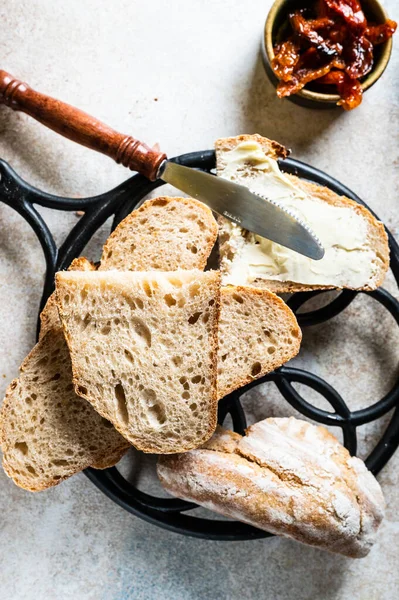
[[369, 80]]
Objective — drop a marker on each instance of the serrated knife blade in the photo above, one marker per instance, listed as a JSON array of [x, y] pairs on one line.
[[249, 210]]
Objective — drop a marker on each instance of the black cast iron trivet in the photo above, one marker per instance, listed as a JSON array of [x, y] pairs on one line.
[[170, 512]]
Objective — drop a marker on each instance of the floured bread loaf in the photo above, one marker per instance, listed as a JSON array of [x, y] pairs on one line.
[[164, 234], [143, 349], [257, 334], [287, 477], [356, 245], [47, 432]]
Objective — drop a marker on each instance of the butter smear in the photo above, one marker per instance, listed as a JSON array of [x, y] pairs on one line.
[[349, 259]]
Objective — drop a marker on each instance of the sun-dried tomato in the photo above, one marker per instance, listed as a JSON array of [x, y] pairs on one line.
[[359, 56], [332, 78], [321, 9], [350, 11], [351, 93], [339, 34], [339, 63], [332, 44], [349, 89], [311, 59], [305, 28], [378, 34], [300, 78], [321, 23], [285, 60]]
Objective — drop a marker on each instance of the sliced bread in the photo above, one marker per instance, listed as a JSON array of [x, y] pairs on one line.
[[143, 349], [356, 246], [47, 432], [49, 317], [164, 234], [236, 366], [59, 431], [257, 334], [161, 234]]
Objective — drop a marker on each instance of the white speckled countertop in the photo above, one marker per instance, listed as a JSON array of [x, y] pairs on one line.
[[181, 73]]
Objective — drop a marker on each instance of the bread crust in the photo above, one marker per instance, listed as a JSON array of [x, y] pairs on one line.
[[271, 147], [129, 223], [99, 461], [50, 337], [49, 317], [287, 477], [292, 329], [376, 230]]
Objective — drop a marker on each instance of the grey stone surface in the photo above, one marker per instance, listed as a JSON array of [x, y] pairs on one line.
[[182, 74]]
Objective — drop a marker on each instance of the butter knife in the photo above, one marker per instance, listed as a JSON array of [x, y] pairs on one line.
[[236, 202]]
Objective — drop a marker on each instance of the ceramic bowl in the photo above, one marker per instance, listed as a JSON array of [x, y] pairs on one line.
[[310, 96]]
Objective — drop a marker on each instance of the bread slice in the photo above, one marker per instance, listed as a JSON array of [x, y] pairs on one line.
[[143, 349], [160, 234], [49, 318], [164, 234], [357, 252], [257, 334], [47, 432], [287, 477]]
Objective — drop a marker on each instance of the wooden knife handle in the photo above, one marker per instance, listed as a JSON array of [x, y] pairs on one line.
[[80, 127]]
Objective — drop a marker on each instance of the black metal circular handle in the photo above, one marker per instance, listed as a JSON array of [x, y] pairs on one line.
[[169, 513], [316, 317]]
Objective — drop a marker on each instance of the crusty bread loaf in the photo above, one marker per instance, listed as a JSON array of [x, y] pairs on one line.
[[47, 432], [287, 477], [234, 241], [143, 349], [257, 334], [164, 234]]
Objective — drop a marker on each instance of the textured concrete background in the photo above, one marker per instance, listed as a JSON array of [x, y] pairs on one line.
[[182, 74]]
